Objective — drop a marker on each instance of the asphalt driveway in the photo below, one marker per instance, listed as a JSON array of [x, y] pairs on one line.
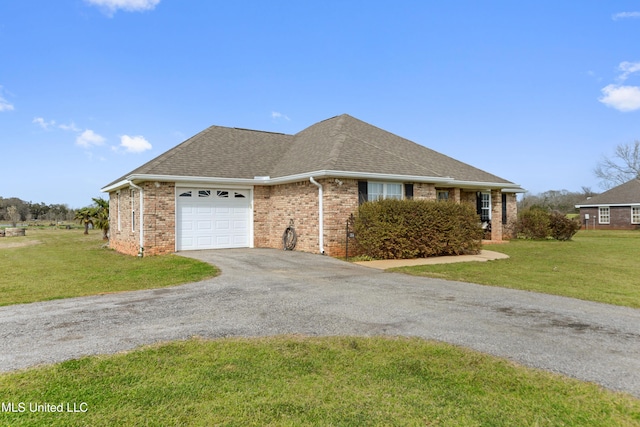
[[267, 292]]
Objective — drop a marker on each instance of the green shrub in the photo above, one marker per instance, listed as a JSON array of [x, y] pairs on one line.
[[533, 223], [539, 223], [562, 227], [398, 229]]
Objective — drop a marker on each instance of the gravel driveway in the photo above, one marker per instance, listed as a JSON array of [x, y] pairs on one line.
[[267, 292]]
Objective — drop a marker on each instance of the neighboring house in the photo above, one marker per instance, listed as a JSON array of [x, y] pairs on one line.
[[615, 209], [230, 187]]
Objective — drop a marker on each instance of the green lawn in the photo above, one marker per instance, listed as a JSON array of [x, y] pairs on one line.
[[50, 263], [601, 266], [295, 381]]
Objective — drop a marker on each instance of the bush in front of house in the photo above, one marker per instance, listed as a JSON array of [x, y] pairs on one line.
[[538, 223], [533, 223], [400, 229]]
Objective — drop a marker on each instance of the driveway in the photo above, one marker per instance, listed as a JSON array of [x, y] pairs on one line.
[[267, 292]]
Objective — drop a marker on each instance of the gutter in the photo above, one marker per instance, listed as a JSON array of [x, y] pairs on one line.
[[320, 215], [141, 250]]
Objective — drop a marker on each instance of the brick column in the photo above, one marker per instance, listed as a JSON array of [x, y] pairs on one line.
[[496, 215]]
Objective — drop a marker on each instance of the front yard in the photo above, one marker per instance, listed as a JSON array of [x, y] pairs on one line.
[[50, 263], [602, 266]]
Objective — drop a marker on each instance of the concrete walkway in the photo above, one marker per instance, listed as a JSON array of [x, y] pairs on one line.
[[384, 264]]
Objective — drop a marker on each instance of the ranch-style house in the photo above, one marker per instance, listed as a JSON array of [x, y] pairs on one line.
[[236, 188]]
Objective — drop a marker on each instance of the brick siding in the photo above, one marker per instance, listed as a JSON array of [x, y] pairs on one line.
[[620, 219], [273, 209]]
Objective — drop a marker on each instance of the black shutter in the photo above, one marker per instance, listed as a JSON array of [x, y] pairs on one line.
[[479, 203], [408, 191], [363, 193], [504, 208]]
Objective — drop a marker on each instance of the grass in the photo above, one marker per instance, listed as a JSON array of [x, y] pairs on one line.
[[292, 381], [49, 263], [598, 266]]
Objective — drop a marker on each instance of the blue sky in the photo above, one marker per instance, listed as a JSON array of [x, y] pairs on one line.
[[532, 91]]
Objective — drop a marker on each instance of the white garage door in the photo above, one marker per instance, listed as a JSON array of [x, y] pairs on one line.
[[213, 218]]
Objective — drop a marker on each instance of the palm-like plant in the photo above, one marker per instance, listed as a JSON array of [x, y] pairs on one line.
[[85, 216], [101, 216]]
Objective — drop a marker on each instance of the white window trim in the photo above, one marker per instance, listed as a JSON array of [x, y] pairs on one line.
[[488, 208], [637, 221], [385, 192], [118, 211], [600, 215], [132, 197]]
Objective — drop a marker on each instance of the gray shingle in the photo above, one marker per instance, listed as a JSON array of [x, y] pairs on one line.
[[341, 143], [627, 193]]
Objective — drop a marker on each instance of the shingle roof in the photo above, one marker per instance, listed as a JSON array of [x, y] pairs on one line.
[[342, 143], [624, 194]]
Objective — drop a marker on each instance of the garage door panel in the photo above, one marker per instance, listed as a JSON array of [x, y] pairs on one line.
[[215, 219]]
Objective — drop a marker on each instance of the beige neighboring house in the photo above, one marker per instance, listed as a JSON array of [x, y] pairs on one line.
[[240, 188]]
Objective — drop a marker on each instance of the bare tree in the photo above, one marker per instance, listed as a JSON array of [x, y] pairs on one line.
[[622, 167]]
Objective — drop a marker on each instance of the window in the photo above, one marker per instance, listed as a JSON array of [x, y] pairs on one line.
[[443, 195], [383, 190], [239, 195], [604, 216], [223, 194], [186, 194], [204, 193], [132, 197], [635, 214], [118, 211], [484, 206]]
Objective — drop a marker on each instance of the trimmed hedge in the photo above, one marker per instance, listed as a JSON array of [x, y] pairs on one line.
[[400, 229]]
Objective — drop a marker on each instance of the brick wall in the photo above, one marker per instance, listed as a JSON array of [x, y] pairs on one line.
[[273, 209], [512, 216], [159, 219], [620, 219], [275, 206], [123, 233]]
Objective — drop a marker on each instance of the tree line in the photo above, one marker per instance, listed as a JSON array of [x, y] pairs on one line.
[[30, 211]]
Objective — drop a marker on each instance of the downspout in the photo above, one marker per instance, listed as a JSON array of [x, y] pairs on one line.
[[320, 215], [141, 250]]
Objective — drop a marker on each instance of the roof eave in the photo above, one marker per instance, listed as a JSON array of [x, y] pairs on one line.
[[596, 205], [266, 180]]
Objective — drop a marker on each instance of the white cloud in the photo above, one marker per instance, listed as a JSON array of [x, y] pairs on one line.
[[134, 144], [627, 69], [275, 115], [89, 138], [622, 98], [70, 127], [43, 123], [112, 6], [4, 104], [623, 15]]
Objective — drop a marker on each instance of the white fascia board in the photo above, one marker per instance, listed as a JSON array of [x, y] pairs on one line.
[[505, 187], [247, 182], [607, 205], [354, 175]]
